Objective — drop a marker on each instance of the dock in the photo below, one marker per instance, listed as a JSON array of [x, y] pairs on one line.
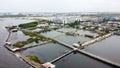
[[62, 56], [100, 58], [9, 36], [96, 39], [64, 44]]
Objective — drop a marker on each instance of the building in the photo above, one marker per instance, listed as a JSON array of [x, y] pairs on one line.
[[48, 65]]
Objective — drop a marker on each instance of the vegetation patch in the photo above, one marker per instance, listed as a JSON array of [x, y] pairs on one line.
[[10, 27], [74, 24], [34, 38], [22, 43], [38, 36], [28, 25], [34, 58]]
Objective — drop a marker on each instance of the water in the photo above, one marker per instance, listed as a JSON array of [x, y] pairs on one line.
[[72, 39], [82, 32], [49, 51], [18, 36], [66, 29], [7, 59], [79, 61], [108, 48], [36, 30], [46, 52], [51, 34], [32, 44]]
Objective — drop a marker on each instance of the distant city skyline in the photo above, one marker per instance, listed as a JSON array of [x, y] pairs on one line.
[[59, 6]]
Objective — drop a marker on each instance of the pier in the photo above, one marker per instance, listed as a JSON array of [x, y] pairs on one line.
[[97, 39], [99, 58], [9, 36], [64, 44], [62, 56], [51, 65]]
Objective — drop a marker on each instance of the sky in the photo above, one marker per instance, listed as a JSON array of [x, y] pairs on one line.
[[59, 5]]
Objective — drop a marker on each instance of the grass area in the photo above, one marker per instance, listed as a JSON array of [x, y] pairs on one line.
[[28, 25], [22, 43], [38, 36], [74, 24], [34, 58]]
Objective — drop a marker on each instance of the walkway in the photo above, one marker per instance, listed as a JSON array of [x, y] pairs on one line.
[[62, 56]]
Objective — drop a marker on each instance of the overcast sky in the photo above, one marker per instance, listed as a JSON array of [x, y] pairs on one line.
[[59, 5]]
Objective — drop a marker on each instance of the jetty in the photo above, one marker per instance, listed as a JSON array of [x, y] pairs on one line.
[[99, 58], [9, 36], [96, 39], [62, 56]]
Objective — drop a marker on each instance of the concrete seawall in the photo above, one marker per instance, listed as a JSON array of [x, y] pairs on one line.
[[100, 58], [9, 36], [64, 44], [97, 39], [28, 61]]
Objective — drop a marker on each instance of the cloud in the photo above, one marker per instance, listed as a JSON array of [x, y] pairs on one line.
[[59, 6]]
